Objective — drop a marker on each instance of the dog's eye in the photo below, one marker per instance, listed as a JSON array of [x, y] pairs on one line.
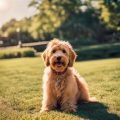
[[63, 51], [53, 51]]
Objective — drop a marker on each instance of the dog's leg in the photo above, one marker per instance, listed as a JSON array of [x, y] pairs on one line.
[[84, 91], [49, 101], [68, 101], [48, 104], [69, 105]]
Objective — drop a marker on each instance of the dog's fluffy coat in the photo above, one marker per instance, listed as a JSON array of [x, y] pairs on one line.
[[62, 86]]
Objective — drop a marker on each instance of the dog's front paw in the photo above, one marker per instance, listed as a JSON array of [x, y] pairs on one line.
[[42, 111], [69, 110], [92, 99], [45, 110]]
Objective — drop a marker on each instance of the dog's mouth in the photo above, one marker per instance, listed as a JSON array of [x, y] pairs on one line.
[[59, 63]]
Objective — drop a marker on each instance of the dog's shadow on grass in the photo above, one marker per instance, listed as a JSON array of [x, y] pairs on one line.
[[95, 111]]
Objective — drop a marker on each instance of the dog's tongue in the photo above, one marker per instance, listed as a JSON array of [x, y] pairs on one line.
[[59, 63]]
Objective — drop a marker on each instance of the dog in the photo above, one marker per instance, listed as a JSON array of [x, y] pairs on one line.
[[63, 86]]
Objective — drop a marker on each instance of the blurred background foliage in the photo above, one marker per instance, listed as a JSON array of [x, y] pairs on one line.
[[81, 22]]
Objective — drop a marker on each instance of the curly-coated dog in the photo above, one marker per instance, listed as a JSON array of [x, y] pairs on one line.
[[63, 86]]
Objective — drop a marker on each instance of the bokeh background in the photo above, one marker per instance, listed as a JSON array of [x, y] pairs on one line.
[[83, 23], [93, 29]]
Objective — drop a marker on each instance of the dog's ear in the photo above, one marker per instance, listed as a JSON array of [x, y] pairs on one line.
[[72, 55], [45, 57]]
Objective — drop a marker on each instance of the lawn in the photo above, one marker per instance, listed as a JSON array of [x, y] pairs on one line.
[[21, 90]]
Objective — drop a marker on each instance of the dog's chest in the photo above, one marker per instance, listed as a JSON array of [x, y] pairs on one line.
[[59, 86]]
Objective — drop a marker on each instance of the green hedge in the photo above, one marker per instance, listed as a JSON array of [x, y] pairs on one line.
[[17, 52], [98, 51]]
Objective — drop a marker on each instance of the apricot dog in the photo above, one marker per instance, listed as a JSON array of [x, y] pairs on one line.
[[63, 86]]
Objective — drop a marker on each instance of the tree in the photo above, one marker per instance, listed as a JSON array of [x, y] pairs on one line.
[[64, 19], [110, 13], [9, 30], [78, 21], [49, 17]]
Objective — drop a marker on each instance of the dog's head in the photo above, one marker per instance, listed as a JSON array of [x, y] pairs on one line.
[[59, 55]]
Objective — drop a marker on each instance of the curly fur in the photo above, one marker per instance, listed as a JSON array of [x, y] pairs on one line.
[[63, 86]]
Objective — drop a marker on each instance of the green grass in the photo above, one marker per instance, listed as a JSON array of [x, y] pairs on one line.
[[21, 90]]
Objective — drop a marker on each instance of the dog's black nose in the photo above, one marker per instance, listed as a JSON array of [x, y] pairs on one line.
[[59, 58]]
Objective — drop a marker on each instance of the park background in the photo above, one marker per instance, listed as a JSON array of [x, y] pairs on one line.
[[93, 29]]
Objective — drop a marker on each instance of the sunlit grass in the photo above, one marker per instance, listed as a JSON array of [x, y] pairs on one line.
[[21, 90]]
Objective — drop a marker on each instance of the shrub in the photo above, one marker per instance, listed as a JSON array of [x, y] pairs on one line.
[[98, 51], [17, 52]]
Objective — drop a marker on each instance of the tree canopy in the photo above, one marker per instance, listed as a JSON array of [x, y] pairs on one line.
[[83, 21]]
